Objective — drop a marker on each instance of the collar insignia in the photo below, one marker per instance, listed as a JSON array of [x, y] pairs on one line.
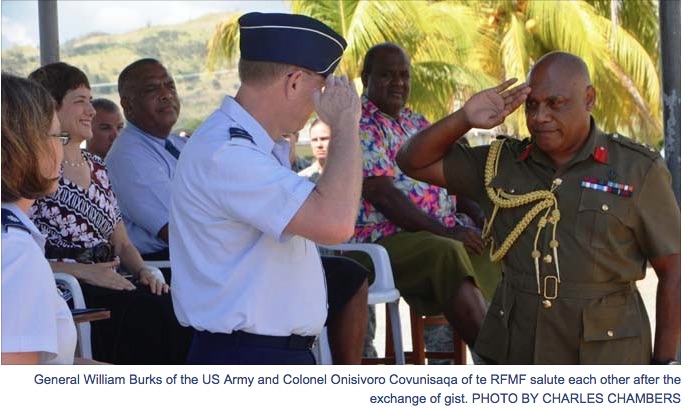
[[526, 153], [601, 154]]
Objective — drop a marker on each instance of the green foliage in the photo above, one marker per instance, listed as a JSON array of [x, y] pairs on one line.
[[459, 47], [438, 35], [456, 47]]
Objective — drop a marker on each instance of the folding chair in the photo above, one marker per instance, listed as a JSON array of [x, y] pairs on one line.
[[83, 346], [382, 291], [83, 343]]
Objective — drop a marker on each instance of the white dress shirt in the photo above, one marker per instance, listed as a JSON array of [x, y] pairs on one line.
[[234, 267]]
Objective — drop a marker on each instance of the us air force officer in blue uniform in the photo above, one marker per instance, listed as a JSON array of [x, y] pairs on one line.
[[247, 274]]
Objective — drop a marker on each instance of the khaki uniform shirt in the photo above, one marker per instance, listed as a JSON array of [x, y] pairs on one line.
[[617, 211]]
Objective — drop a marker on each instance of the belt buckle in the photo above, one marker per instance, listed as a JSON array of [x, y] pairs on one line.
[[554, 294]]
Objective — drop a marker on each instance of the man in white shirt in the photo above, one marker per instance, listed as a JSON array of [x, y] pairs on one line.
[[243, 226]]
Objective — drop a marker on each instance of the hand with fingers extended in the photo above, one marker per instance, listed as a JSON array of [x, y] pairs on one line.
[[105, 275], [154, 281], [470, 237], [338, 104], [488, 108]]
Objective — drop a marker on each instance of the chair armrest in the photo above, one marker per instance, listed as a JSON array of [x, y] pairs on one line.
[[72, 284], [384, 280], [83, 346], [158, 263]]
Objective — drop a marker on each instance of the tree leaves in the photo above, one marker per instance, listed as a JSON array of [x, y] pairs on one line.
[[460, 47]]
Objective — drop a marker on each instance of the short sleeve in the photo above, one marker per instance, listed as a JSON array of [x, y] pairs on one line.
[[257, 190], [375, 155], [658, 216], [463, 169]]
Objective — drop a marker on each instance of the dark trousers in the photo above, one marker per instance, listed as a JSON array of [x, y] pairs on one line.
[[223, 349], [142, 330], [343, 277]]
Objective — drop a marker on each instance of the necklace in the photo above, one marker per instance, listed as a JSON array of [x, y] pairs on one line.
[[75, 164]]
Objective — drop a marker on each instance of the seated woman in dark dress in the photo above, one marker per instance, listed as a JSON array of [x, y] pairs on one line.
[[87, 238]]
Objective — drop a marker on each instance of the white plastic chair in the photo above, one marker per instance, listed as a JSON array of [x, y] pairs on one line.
[[83, 343], [83, 346], [158, 263], [382, 291]]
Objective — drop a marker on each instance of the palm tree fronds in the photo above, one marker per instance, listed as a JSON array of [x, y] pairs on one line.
[[516, 60], [224, 44], [460, 47], [433, 88], [568, 26]]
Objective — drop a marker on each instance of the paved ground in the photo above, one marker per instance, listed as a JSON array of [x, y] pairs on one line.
[[647, 287]]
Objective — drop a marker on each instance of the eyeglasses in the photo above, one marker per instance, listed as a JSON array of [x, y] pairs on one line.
[[63, 136]]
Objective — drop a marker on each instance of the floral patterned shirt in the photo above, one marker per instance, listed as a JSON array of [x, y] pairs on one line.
[[76, 218], [381, 138]]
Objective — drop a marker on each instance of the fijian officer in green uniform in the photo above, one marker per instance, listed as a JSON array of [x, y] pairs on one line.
[[574, 213]]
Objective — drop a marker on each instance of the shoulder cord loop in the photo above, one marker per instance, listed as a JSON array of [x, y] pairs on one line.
[[546, 201]]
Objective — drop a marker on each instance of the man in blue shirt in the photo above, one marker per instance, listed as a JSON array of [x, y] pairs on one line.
[[142, 160]]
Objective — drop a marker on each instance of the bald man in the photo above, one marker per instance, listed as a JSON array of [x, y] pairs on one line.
[[574, 212]]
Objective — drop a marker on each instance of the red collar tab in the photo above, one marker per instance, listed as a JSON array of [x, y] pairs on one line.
[[526, 153], [601, 154]]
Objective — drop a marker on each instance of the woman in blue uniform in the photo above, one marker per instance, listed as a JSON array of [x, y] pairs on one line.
[[36, 323]]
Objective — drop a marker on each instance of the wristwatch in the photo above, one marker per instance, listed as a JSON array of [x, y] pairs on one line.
[[665, 362]]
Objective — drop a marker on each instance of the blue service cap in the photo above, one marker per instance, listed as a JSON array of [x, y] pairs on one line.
[[290, 39]]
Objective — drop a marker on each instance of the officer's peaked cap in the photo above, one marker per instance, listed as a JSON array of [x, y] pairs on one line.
[[290, 39]]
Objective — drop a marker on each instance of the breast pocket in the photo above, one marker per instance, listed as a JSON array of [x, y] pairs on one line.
[[603, 219]]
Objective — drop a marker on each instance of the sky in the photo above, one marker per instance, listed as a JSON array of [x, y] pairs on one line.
[[80, 17]]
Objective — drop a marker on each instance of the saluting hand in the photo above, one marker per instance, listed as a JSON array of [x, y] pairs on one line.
[[338, 104], [488, 108]]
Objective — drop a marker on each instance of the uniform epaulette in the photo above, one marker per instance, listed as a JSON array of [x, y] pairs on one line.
[[241, 134], [10, 220], [630, 143]]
